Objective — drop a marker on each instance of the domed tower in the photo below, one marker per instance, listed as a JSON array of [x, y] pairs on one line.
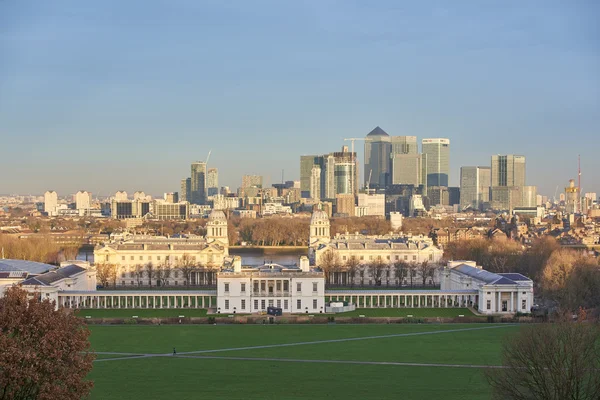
[[319, 227], [216, 228]]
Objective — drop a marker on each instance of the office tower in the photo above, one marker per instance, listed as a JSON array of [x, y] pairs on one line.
[[475, 185], [186, 189], [315, 183], [371, 204], [252, 181], [572, 198], [83, 201], [121, 195], [508, 180], [212, 181], [163, 210], [438, 161], [51, 203], [378, 148], [404, 145], [529, 196], [198, 183], [409, 169], [338, 174], [140, 195]]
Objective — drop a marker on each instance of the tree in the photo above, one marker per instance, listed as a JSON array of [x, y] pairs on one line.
[[400, 269], [150, 272], [106, 274], [427, 270], [376, 268], [329, 262], [186, 265], [138, 271], [352, 265], [549, 362], [45, 352], [412, 269], [163, 273]]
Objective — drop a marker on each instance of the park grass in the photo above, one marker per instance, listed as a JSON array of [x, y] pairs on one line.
[[404, 312], [140, 312], [167, 377]]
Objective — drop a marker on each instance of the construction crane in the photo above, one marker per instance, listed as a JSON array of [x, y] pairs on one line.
[[208, 157]]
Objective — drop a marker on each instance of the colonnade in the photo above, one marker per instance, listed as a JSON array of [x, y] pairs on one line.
[[141, 299], [400, 299]]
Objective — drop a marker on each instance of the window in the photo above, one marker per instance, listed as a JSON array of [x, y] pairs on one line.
[[176, 274], [141, 258], [299, 304], [286, 286], [405, 258], [271, 303], [489, 304], [397, 258], [430, 256], [131, 258], [414, 258], [256, 286], [315, 286], [131, 283], [122, 258], [285, 304], [262, 305], [243, 287], [149, 258], [227, 287], [370, 257], [243, 304], [227, 304], [523, 304], [279, 303], [158, 258], [388, 257], [278, 286], [176, 283], [362, 257], [122, 274], [123, 283], [167, 258], [262, 286], [314, 304], [489, 292], [524, 293], [256, 304], [344, 258], [298, 287]]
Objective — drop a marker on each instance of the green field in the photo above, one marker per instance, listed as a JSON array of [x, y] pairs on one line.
[[295, 361], [140, 312], [405, 312]]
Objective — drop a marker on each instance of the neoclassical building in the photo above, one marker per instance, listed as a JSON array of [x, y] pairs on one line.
[[294, 289], [366, 249], [133, 255], [496, 293]]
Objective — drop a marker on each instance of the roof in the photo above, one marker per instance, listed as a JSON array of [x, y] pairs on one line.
[[378, 132], [13, 275], [491, 278], [31, 267], [55, 275]]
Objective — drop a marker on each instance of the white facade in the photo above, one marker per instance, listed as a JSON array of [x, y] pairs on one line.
[[121, 195], [83, 202], [252, 290], [498, 293], [275, 208]]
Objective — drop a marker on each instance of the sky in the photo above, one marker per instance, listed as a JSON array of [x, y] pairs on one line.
[[123, 95]]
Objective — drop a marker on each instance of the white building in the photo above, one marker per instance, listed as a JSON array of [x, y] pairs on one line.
[[396, 219], [374, 203], [51, 203], [121, 195], [83, 202], [253, 289], [275, 208], [497, 293]]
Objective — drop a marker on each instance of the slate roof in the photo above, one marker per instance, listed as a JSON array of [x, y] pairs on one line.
[[13, 275], [491, 278], [378, 132], [50, 277], [31, 267]]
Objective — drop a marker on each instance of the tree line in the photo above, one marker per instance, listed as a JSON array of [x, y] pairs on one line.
[[39, 248]]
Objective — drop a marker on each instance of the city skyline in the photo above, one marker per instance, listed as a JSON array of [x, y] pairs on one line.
[[81, 110]]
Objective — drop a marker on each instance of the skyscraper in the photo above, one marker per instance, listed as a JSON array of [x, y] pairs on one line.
[[409, 169], [186, 189], [404, 145], [338, 174], [438, 161], [252, 180], [198, 183], [475, 185], [378, 148], [212, 181], [51, 203], [315, 183], [508, 180]]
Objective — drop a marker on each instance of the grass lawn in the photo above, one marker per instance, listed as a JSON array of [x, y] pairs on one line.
[[167, 377], [403, 312], [140, 312]]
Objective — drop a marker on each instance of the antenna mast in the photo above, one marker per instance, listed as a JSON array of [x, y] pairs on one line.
[[579, 180]]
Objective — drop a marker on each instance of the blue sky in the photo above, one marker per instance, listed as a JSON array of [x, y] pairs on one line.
[[108, 95]]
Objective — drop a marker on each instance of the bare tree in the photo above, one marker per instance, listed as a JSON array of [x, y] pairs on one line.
[[163, 273], [412, 272], [138, 271], [400, 269], [150, 272], [352, 266], [186, 265], [376, 268], [426, 270], [329, 262], [549, 362], [106, 273]]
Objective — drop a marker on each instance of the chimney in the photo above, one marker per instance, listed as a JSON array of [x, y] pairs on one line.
[[237, 264], [304, 265]]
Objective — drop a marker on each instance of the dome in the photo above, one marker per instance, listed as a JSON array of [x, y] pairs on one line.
[[217, 215], [319, 216]]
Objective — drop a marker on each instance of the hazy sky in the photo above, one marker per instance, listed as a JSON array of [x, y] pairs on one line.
[[105, 95]]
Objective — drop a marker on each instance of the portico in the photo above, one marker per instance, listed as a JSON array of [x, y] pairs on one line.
[[137, 299], [404, 298]]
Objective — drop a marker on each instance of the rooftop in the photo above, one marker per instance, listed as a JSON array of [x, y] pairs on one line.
[[55, 275], [31, 267]]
